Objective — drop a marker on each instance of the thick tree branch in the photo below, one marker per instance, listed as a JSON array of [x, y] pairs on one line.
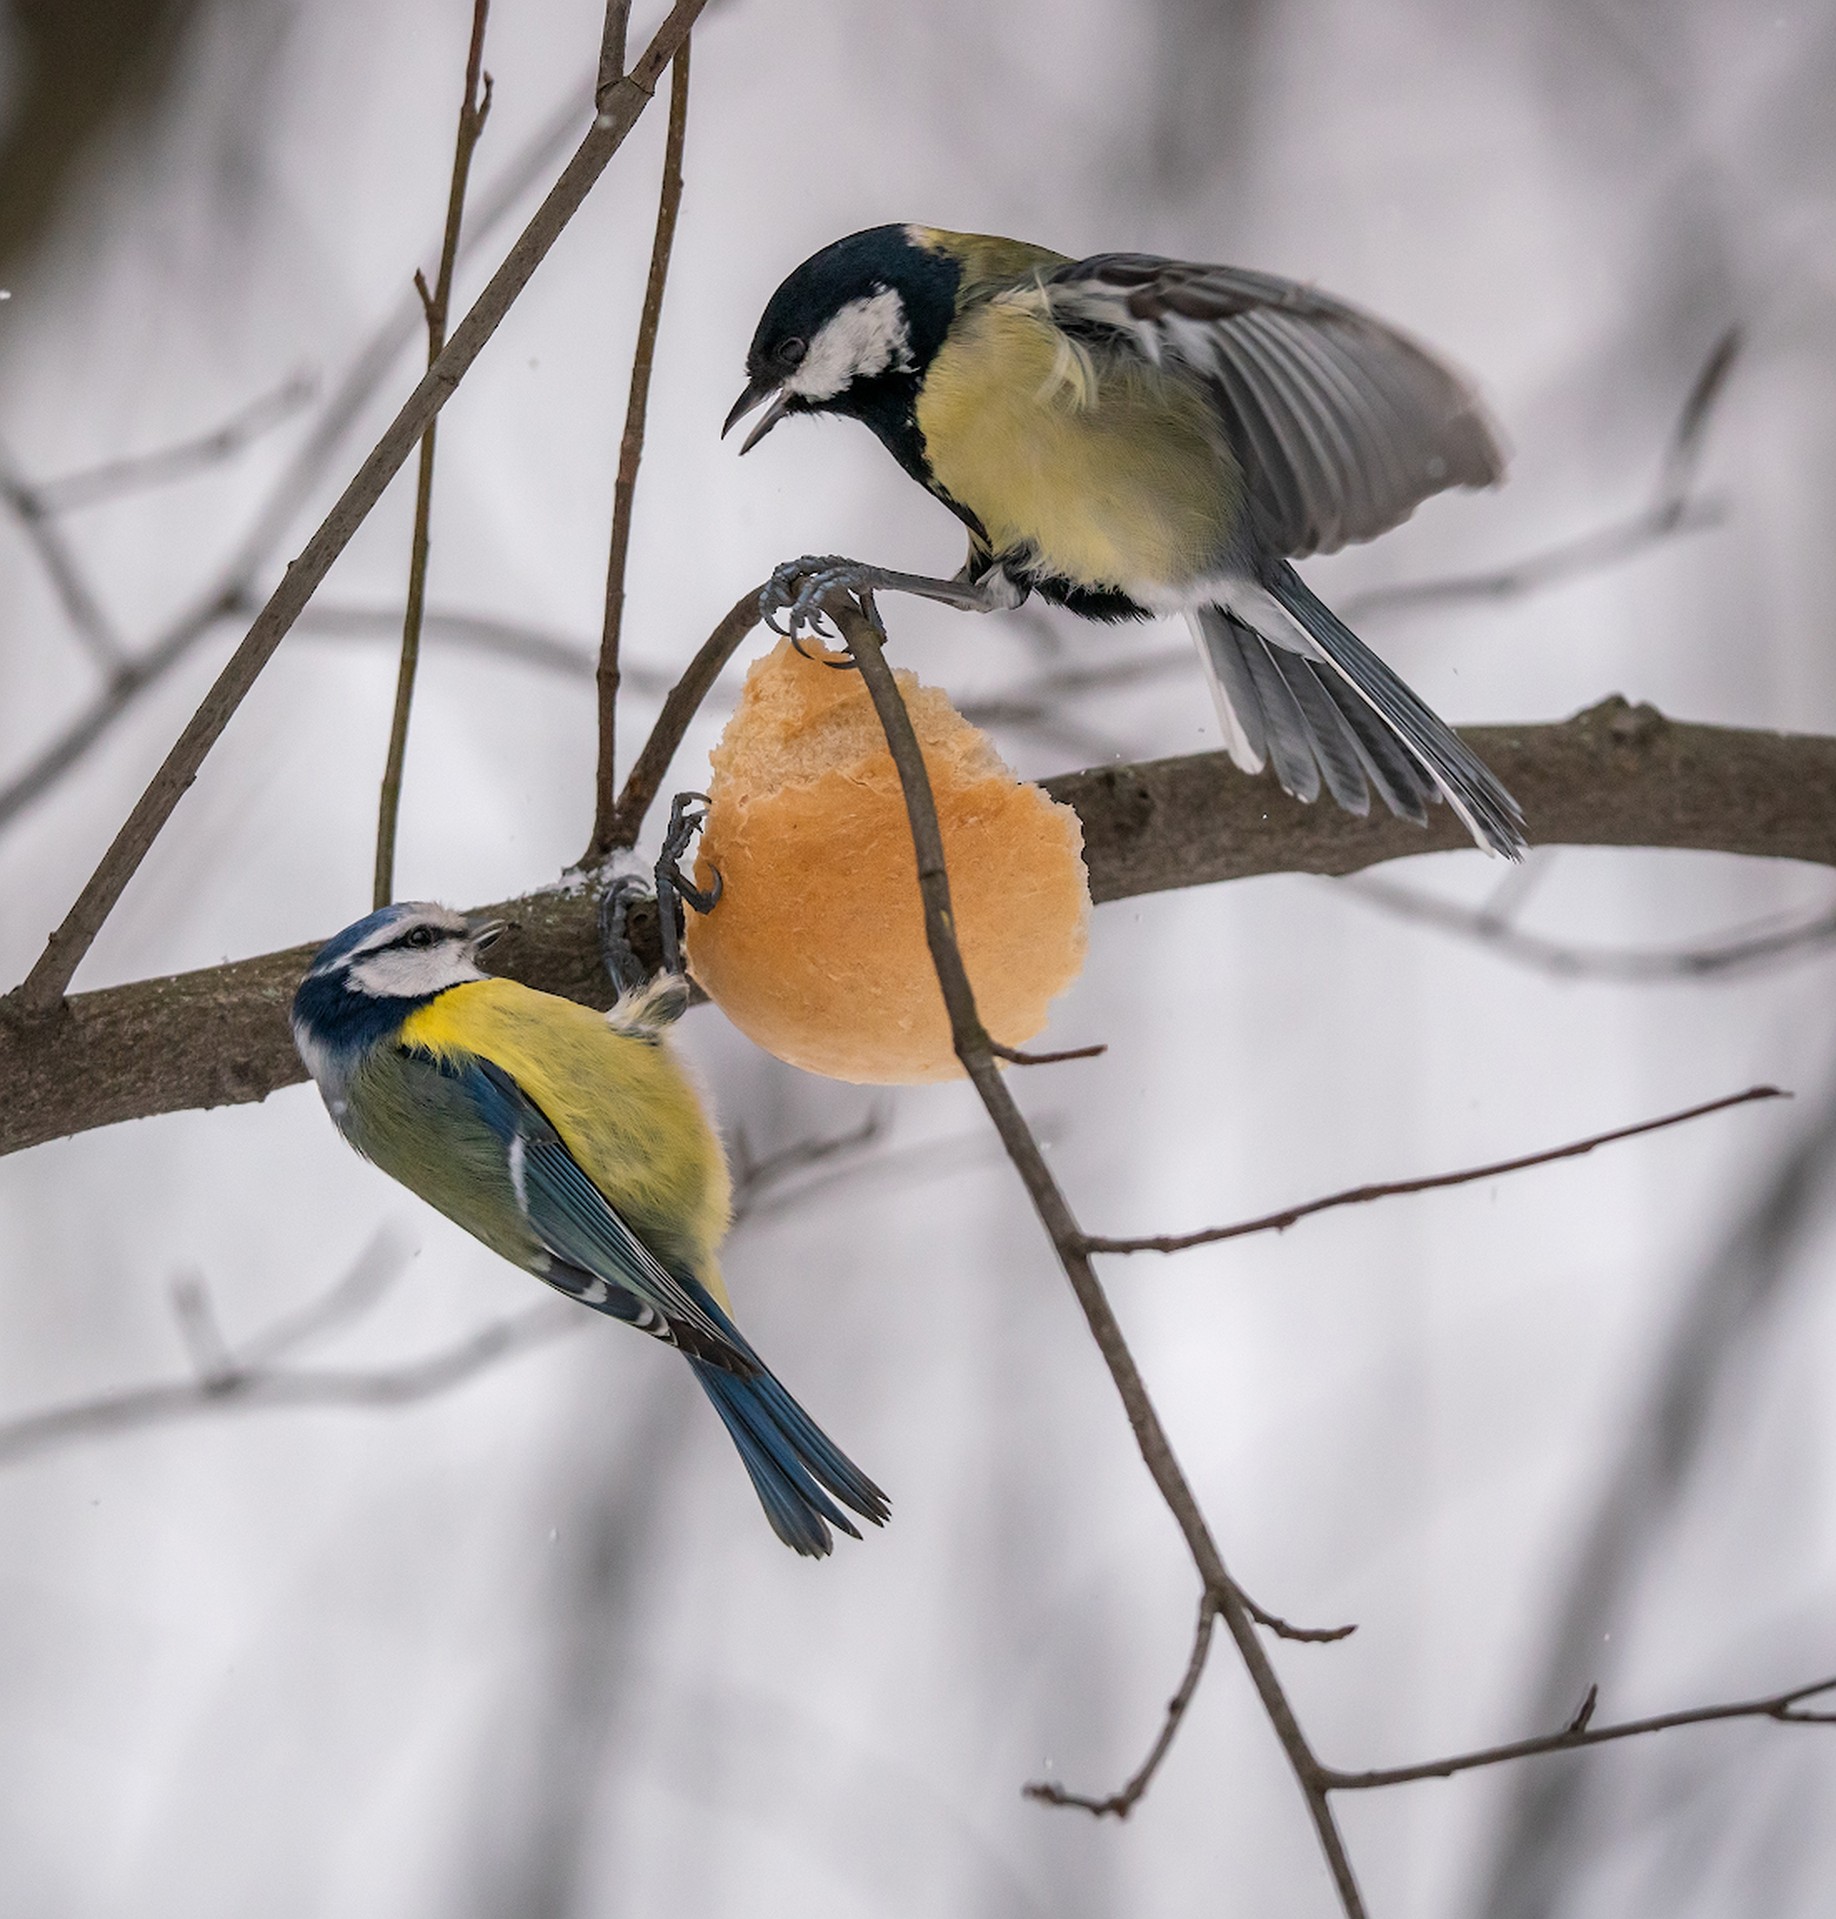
[[44, 986], [1615, 775]]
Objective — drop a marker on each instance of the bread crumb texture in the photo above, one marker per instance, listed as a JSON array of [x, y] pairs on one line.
[[816, 950]]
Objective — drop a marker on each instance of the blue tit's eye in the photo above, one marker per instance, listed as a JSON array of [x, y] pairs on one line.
[[420, 936], [791, 351]]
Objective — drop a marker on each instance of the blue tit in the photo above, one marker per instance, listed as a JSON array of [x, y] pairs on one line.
[[1131, 436], [573, 1144]]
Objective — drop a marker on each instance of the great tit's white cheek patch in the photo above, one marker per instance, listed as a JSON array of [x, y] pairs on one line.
[[864, 339]]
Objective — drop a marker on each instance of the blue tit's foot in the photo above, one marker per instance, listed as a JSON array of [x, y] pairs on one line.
[[687, 815], [627, 911]]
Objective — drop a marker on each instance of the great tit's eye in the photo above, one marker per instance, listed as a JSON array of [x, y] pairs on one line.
[[791, 351]]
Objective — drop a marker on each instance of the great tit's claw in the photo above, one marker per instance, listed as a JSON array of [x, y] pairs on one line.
[[801, 592]]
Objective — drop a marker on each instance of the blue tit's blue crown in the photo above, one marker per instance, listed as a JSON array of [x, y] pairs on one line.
[[363, 983], [342, 945]]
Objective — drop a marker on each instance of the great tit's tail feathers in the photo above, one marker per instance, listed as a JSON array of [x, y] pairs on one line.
[[793, 1464], [1336, 714], [1490, 814], [1278, 707]]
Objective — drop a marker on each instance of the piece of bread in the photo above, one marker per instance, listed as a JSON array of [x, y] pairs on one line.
[[816, 949]]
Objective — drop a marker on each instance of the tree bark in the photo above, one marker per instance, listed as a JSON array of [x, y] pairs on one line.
[[1616, 775]]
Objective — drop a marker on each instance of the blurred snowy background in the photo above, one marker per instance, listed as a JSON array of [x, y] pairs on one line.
[[525, 1647]]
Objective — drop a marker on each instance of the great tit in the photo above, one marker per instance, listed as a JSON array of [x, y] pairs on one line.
[[1130, 436], [573, 1144]]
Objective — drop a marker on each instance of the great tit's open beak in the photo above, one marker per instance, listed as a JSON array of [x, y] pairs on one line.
[[757, 391], [485, 932]]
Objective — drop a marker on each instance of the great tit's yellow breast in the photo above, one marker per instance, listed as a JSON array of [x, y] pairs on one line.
[[623, 1106], [1115, 473]]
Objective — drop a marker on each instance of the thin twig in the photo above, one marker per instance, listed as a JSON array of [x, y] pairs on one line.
[[1362, 1195], [1119, 1804], [141, 472], [1015, 1057], [611, 50], [685, 697], [81, 607], [972, 1049], [1671, 511], [196, 1314], [754, 1178], [510, 640], [1725, 958], [474, 109], [630, 454], [233, 594], [383, 1387], [354, 1294], [1778, 1705], [1301, 1635], [243, 1373], [44, 986]]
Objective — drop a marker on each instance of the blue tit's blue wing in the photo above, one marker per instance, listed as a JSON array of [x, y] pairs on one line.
[[794, 1466], [582, 1228]]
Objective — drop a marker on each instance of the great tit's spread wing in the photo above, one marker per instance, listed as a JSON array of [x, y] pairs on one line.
[[580, 1226], [1343, 425]]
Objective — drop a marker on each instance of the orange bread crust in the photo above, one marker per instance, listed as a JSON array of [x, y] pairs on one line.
[[816, 950]]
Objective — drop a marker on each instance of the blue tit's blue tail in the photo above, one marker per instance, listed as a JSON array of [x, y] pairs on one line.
[[794, 1465]]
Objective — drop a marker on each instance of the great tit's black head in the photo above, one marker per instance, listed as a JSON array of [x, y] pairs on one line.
[[855, 322]]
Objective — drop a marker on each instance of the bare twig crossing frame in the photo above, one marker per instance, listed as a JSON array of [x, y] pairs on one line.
[[44, 986], [473, 109]]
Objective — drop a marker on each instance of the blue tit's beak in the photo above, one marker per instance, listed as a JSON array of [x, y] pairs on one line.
[[486, 932], [757, 391]]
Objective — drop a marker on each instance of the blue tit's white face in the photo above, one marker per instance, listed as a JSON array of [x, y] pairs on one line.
[[364, 983], [422, 950]]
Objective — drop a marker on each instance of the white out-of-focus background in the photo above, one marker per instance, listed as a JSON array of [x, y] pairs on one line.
[[523, 1646]]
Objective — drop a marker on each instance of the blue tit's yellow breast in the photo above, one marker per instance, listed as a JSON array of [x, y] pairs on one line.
[[624, 1107], [1115, 473]]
